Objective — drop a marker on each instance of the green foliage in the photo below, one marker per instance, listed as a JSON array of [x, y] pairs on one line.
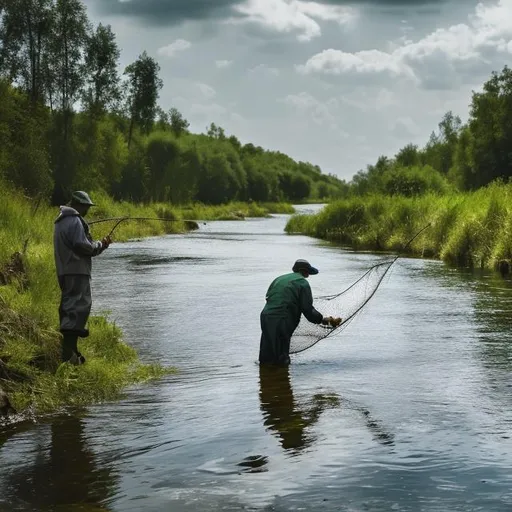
[[178, 124], [114, 143], [467, 229], [408, 156], [469, 156], [490, 125], [101, 59], [413, 181], [29, 340], [162, 154], [24, 159]]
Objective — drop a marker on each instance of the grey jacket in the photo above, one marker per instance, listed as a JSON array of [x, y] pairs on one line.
[[72, 244]]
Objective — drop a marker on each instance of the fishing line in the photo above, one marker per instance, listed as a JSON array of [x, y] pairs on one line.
[[191, 223]]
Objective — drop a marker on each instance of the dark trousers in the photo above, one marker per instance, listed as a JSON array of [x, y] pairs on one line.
[[275, 340], [75, 303], [74, 310]]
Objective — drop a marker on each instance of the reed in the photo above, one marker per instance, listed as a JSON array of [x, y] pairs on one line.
[[472, 229]]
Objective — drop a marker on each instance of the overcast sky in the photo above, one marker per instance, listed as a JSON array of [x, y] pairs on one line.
[[333, 82]]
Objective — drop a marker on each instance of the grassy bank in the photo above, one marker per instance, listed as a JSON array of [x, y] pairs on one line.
[[107, 208], [30, 370], [234, 211], [468, 229]]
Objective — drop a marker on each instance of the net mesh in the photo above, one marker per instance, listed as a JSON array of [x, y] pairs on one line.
[[345, 305]]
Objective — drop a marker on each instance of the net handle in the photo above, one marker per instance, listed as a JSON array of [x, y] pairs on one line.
[[388, 262]]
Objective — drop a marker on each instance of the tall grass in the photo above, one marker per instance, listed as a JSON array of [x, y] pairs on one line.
[[233, 211], [30, 369], [467, 229]]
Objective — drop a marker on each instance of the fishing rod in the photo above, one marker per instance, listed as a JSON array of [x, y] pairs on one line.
[[192, 223]]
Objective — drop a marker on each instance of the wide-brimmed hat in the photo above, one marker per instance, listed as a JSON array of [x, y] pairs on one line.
[[304, 265], [82, 197]]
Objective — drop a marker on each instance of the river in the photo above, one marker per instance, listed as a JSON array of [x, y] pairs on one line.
[[407, 409]]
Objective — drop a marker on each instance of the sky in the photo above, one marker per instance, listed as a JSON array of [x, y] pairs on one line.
[[336, 83]]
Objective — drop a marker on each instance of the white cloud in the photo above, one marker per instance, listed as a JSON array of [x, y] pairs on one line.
[[320, 112], [292, 16], [223, 63], [206, 90], [403, 128], [435, 61], [207, 112], [172, 49], [366, 100], [264, 70], [336, 13], [337, 62]]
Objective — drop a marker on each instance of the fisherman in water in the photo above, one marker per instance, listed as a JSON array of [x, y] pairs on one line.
[[73, 250], [287, 298]]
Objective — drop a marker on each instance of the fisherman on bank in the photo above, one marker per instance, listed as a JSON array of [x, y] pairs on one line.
[[287, 298], [73, 250]]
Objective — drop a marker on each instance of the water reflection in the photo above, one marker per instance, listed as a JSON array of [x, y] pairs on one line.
[[490, 300], [64, 476], [282, 414], [291, 421]]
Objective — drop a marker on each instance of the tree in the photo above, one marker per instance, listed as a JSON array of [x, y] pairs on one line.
[[143, 88], [301, 187], [69, 36], [440, 149], [217, 182], [162, 153], [408, 156], [462, 173], [23, 148], [215, 132], [490, 125], [235, 143], [413, 181], [70, 31], [185, 176], [179, 125], [25, 35], [102, 91]]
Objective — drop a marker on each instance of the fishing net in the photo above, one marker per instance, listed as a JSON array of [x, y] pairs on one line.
[[344, 305]]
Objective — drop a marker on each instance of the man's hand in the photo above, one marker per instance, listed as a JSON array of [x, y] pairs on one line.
[[105, 242], [335, 322]]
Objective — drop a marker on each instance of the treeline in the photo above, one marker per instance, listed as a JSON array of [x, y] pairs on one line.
[[69, 119], [457, 157]]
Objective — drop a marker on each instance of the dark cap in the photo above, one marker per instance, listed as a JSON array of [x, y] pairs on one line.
[[305, 266]]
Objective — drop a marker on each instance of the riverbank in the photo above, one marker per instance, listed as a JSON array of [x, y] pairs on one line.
[[472, 229], [30, 369]]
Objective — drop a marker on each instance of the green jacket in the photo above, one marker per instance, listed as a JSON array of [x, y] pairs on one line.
[[288, 297]]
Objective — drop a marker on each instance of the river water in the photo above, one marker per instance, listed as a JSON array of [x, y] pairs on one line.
[[408, 409]]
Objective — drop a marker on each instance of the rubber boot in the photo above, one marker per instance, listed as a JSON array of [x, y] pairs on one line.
[[79, 356], [69, 348]]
